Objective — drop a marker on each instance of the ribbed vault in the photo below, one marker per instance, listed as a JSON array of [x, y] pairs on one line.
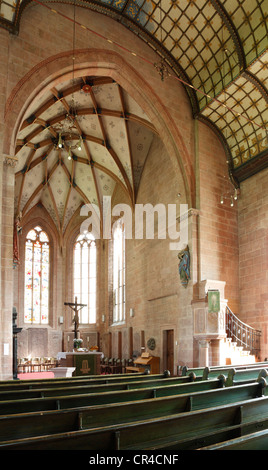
[[217, 49], [115, 137]]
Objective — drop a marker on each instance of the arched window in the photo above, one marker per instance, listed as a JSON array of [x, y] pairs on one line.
[[85, 276], [36, 291], [119, 302]]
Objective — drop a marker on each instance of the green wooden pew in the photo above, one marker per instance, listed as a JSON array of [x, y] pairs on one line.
[[204, 373], [254, 441], [199, 371], [195, 398], [32, 424], [231, 376], [83, 380], [91, 388], [48, 422], [180, 431], [41, 389], [234, 375], [61, 401], [238, 376]]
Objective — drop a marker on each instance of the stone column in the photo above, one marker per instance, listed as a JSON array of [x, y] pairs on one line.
[[7, 227], [1, 192], [185, 352], [204, 353]]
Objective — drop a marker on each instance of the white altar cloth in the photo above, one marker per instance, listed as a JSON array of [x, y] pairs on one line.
[[63, 354]]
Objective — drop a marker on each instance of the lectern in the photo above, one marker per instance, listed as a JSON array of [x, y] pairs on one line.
[[146, 363]]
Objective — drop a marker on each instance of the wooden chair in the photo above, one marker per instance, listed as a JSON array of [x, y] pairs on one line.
[[23, 365], [49, 362], [104, 366], [36, 364], [123, 366], [117, 366]]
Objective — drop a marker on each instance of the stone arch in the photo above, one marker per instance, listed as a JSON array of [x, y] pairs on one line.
[[100, 62]]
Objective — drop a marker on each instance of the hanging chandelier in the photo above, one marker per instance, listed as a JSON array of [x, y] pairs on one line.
[[231, 196], [162, 69], [229, 192], [67, 129], [67, 133]]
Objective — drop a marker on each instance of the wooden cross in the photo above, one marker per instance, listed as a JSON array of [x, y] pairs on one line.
[[75, 307]]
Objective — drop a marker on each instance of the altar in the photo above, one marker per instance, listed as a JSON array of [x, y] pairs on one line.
[[84, 362]]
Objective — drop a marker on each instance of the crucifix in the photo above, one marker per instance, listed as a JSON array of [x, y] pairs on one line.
[[75, 307]]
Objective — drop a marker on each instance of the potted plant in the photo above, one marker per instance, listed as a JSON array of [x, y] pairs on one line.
[[77, 343]]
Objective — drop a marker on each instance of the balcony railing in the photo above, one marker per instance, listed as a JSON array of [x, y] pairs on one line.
[[242, 334]]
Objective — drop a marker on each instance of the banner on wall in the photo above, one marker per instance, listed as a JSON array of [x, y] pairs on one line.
[[213, 301]]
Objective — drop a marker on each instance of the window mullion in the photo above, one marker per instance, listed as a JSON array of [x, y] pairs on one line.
[[81, 277], [119, 273], [41, 277], [32, 281], [89, 285]]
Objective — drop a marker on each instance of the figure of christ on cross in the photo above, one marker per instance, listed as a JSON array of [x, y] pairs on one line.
[[75, 307]]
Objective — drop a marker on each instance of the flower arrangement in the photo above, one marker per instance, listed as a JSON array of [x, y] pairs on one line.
[[77, 342]]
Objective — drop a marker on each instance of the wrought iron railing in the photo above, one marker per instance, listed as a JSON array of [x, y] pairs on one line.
[[242, 334]]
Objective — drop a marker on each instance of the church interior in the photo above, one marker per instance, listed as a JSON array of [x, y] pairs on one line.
[[134, 205]]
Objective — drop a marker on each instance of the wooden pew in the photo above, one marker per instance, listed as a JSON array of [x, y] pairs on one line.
[[48, 422], [207, 372], [85, 381], [92, 388], [198, 371], [231, 376], [234, 375], [183, 431], [254, 441], [54, 400], [203, 398], [63, 381], [243, 376], [119, 385]]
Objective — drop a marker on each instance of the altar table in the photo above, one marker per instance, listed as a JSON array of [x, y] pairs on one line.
[[85, 363]]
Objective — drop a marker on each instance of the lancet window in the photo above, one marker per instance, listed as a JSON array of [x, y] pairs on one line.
[[36, 289], [119, 288], [85, 276]]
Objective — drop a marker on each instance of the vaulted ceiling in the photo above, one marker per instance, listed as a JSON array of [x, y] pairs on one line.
[[79, 142], [218, 51]]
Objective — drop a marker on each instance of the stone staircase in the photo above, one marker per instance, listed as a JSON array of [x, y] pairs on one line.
[[242, 344], [236, 354]]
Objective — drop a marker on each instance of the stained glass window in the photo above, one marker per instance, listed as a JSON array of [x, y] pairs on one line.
[[85, 276], [36, 293], [119, 288]]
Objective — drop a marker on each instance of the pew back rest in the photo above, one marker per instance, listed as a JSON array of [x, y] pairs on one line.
[[235, 376], [253, 441]]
